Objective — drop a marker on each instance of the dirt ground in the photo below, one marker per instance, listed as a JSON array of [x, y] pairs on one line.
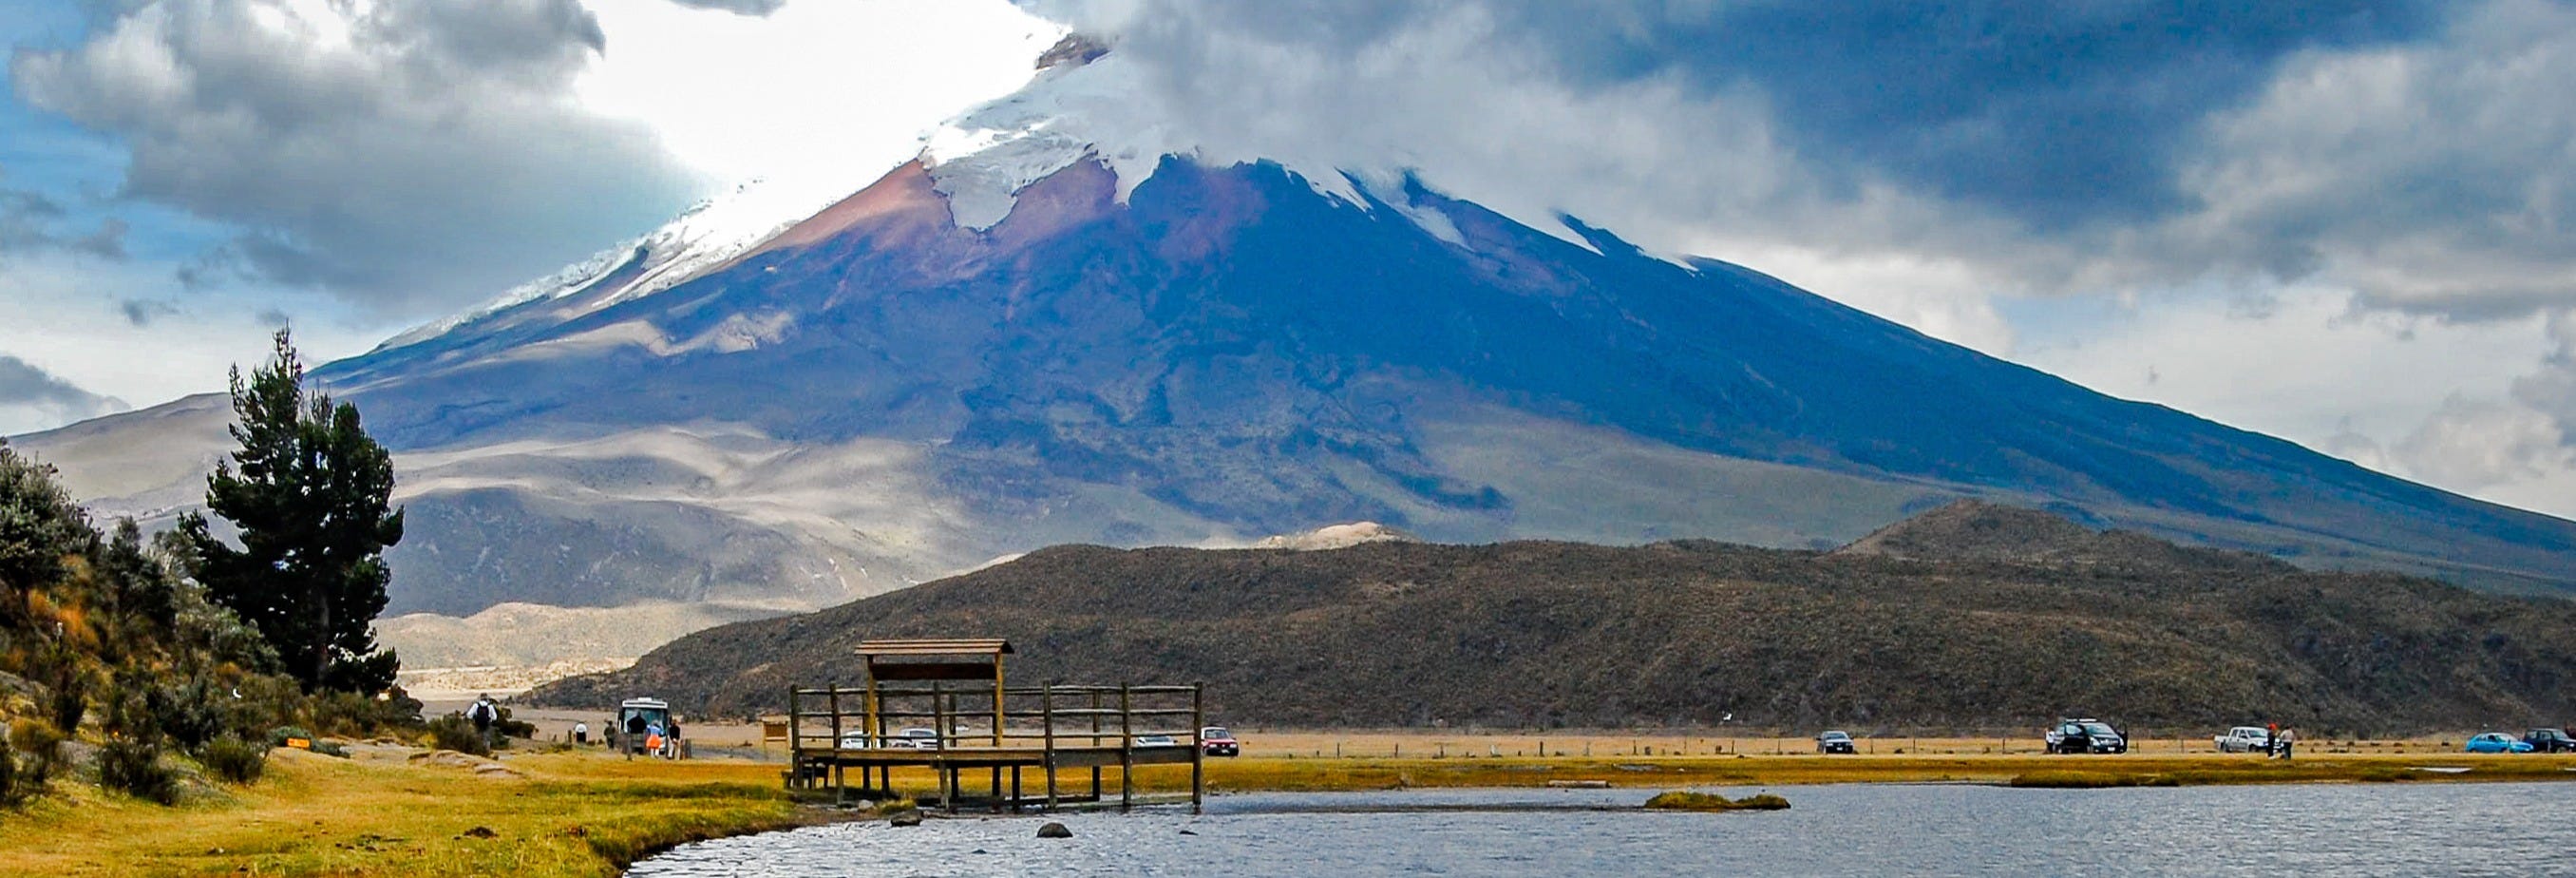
[[556, 724]]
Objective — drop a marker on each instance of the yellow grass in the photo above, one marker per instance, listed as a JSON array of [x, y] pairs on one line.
[[584, 814], [571, 815]]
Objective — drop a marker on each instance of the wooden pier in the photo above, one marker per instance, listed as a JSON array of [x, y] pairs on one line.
[[943, 705]]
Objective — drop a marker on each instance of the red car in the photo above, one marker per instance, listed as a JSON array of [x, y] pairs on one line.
[[1216, 741]]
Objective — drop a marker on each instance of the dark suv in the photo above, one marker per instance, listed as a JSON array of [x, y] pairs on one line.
[[2086, 735], [2549, 741]]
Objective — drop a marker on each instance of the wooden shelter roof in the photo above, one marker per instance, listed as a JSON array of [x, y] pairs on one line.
[[950, 648]]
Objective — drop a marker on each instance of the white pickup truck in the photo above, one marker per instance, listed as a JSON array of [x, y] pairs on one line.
[[2244, 739]]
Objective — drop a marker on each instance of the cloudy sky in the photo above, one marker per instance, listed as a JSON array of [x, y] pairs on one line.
[[2351, 224]]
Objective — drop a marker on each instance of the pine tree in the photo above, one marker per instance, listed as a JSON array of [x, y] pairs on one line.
[[308, 492]]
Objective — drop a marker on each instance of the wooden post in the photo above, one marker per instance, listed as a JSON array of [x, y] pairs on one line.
[[1095, 742], [795, 745], [1198, 750], [1046, 709], [1126, 752], [840, 774], [947, 738]]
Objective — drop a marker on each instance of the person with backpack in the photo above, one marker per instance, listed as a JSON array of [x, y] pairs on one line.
[[483, 714]]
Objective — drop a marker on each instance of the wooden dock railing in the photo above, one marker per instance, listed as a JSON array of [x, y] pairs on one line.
[[951, 729]]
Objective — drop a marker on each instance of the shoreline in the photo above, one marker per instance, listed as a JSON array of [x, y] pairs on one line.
[[396, 811]]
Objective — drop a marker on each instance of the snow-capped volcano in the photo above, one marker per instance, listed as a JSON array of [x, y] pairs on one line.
[[703, 237], [1084, 103], [1068, 320]]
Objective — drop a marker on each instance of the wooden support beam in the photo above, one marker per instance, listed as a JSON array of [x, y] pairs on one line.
[[1126, 755], [1198, 753]]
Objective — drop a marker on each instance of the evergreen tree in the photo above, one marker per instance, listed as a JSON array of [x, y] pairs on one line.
[[307, 491]]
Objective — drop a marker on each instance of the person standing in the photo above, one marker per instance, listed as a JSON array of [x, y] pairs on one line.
[[483, 714], [2289, 741], [2271, 740]]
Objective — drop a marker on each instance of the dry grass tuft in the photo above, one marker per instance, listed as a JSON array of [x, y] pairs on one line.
[[1684, 800]]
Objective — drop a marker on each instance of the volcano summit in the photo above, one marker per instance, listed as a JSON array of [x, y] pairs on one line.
[[1066, 323]]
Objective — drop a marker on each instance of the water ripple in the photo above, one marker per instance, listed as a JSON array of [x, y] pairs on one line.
[[2401, 830]]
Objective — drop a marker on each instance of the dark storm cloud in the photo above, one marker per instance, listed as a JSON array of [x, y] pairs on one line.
[[2412, 152], [23, 385], [31, 222], [141, 312], [413, 155], [2056, 112]]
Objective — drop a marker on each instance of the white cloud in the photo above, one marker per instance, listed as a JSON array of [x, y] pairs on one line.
[[426, 159], [2419, 397], [819, 89], [62, 324], [2435, 177], [2469, 445], [410, 154]]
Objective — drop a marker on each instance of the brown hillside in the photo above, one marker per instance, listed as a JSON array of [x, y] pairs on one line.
[[1536, 634], [1975, 530]]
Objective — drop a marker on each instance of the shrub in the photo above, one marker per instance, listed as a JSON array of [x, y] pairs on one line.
[[10, 794], [511, 728], [1684, 800], [355, 715], [42, 744], [133, 766], [454, 732], [189, 713], [67, 692], [234, 760]]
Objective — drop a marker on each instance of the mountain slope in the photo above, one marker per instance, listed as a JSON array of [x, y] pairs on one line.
[[1540, 634], [1057, 328]]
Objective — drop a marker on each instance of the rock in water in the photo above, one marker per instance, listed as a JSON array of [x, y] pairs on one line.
[[1054, 830], [905, 818]]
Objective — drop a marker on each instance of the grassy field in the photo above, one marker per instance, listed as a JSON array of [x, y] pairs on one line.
[[562, 815], [583, 814]]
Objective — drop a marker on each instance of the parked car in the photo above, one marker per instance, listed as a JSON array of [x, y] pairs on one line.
[[854, 741], [1218, 741], [2495, 742], [1143, 741], [913, 739], [2245, 739], [2086, 735], [1836, 741], [2549, 741]]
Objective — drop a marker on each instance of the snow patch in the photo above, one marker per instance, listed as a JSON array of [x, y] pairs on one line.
[[705, 237]]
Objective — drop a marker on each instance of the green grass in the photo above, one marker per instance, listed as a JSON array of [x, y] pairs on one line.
[[1684, 800]]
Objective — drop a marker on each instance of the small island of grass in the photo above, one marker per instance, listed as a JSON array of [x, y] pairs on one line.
[[1680, 800]]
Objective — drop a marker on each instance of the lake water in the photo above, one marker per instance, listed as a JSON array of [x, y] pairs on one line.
[[2378, 829]]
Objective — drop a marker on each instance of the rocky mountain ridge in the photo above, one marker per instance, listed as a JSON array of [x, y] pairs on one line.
[[1548, 634]]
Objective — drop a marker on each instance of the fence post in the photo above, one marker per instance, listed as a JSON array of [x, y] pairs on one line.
[[795, 745], [1126, 751], [1198, 749], [1046, 710]]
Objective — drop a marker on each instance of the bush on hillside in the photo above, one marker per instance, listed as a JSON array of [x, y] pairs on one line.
[[190, 712], [455, 732], [40, 745], [133, 766], [514, 728], [234, 760], [10, 794]]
